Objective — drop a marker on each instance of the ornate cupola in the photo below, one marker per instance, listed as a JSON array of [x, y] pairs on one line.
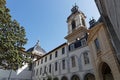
[[74, 9], [76, 25], [37, 51], [76, 19]]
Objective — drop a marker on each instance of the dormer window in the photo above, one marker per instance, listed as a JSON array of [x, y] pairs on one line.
[[73, 24]]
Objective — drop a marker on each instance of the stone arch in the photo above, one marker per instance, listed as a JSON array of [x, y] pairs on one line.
[[75, 77], [64, 78], [89, 76], [105, 71]]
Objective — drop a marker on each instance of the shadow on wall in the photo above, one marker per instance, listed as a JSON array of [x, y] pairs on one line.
[[21, 74]]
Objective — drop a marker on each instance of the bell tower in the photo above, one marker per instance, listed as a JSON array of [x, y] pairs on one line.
[[76, 19], [76, 25]]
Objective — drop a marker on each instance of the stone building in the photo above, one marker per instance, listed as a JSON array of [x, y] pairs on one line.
[[105, 63], [110, 12], [88, 54], [70, 60]]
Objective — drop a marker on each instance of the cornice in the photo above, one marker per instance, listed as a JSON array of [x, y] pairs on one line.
[[93, 31], [76, 31]]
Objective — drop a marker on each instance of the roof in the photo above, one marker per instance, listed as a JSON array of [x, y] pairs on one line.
[[37, 47], [75, 10], [30, 49], [52, 50], [95, 22]]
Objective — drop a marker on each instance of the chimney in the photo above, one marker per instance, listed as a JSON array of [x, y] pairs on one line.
[[92, 22]]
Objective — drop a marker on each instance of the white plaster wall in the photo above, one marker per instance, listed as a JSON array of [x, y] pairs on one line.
[[79, 57], [22, 73], [54, 59], [69, 71]]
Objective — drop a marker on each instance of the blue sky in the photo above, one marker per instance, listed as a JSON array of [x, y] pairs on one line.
[[45, 20]]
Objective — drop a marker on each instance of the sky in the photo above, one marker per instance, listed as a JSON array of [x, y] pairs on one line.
[[45, 20]]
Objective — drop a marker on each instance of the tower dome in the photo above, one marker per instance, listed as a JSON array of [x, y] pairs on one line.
[[37, 50]]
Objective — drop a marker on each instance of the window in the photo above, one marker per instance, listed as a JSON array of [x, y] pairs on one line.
[[56, 54], [35, 63], [41, 61], [50, 68], [38, 63], [86, 58], [50, 56], [46, 59], [45, 69], [73, 24], [36, 72], [63, 50], [83, 22], [71, 47], [55, 66], [97, 45], [73, 61], [63, 64], [78, 44], [83, 42], [40, 71]]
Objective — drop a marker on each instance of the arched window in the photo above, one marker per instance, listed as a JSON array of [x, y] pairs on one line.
[[49, 68], [83, 22], [64, 78], [73, 24], [40, 70], [89, 76], [73, 62], [86, 58], [75, 77], [55, 78], [63, 64], [56, 66], [49, 78]]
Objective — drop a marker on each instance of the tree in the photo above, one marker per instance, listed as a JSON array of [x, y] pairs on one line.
[[49, 78], [12, 40], [4, 13]]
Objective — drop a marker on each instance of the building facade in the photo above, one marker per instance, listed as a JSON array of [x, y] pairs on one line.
[[105, 63], [88, 54], [109, 10], [71, 60]]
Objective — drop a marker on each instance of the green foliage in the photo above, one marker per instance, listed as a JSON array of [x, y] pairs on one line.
[[55, 78], [12, 40], [49, 78], [4, 13]]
